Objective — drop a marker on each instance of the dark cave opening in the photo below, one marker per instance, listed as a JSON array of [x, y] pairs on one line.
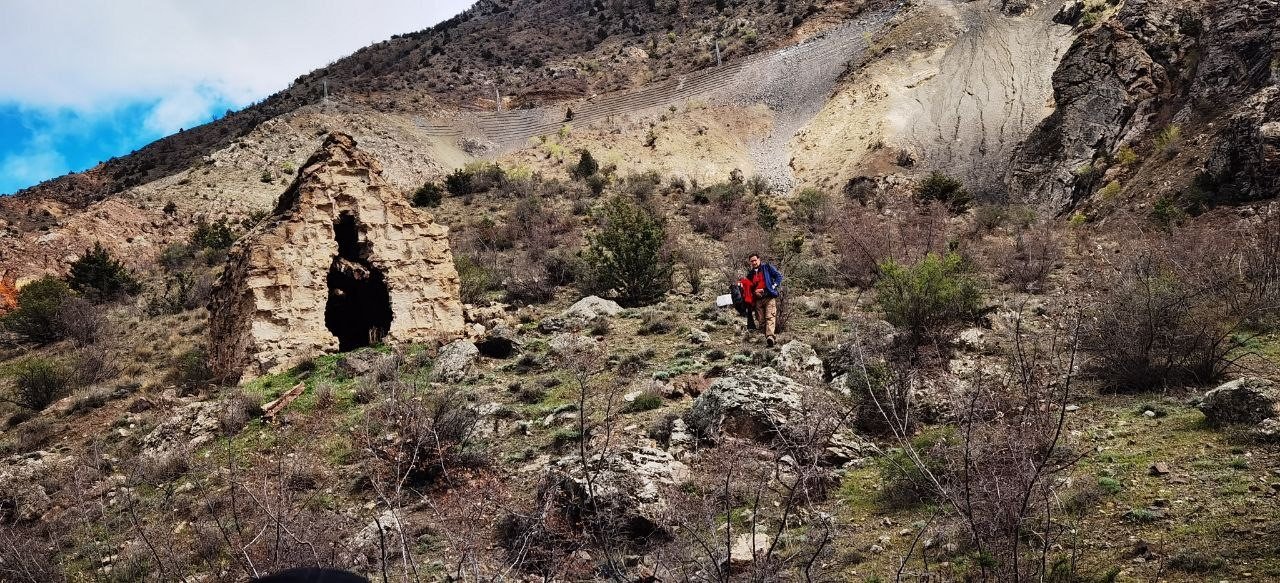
[[358, 311]]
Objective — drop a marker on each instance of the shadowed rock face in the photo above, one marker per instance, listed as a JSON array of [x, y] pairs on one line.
[[344, 262], [1161, 62]]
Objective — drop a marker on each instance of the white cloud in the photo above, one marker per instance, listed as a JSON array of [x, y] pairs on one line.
[[81, 54]]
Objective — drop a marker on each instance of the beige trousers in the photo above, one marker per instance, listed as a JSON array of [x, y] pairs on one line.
[[766, 315]]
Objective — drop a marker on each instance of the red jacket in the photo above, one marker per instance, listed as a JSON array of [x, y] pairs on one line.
[[748, 291]]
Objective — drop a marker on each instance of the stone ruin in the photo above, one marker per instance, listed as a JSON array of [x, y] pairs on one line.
[[343, 262]]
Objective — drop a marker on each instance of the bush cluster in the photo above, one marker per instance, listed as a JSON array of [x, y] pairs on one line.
[[937, 291]]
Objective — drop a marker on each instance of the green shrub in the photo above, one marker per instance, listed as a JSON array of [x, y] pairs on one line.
[[1125, 156], [766, 217], [39, 305], [99, 276], [906, 483], [937, 291], [628, 255], [429, 195], [942, 188], [475, 279], [1166, 212], [644, 402], [216, 235], [459, 182], [1168, 139], [1110, 485], [810, 206], [38, 382], [586, 166]]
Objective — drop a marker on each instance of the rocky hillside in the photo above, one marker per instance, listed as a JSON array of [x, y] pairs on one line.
[[1029, 327]]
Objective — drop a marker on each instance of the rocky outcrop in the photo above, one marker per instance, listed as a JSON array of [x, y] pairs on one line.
[[1104, 89], [1160, 63], [756, 405], [23, 497], [627, 485], [343, 262], [581, 313], [1246, 160], [1242, 401], [800, 361]]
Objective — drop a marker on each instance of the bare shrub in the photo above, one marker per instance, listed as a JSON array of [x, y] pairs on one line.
[[432, 435], [996, 474], [238, 408], [1035, 253], [1171, 315], [81, 321], [93, 364], [865, 237]]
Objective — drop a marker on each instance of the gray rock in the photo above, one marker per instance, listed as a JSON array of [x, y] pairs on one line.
[[501, 341], [1245, 400], [22, 479], [188, 427], [628, 484], [699, 337], [754, 404], [455, 361], [1268, 431], [800, 361], [581, 313], [1070, 13]]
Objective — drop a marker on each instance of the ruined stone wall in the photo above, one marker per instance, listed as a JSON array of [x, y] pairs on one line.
[[268, 308]]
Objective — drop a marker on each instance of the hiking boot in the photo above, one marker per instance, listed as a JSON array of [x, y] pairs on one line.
[[769, 342]]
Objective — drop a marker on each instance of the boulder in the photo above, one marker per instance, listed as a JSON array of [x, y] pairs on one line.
[[1244, 400], [628, 484], [754, 404], [800, 361], [1268, 431], [455, 361], [188, 427], [581, 313], [501, 341], [23, 497]]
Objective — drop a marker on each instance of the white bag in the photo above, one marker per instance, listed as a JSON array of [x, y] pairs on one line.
[[724, 301]]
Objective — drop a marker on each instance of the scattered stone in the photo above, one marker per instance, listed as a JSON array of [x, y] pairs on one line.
[[1268, 431], [699, 337], [1160, 469], [1244, 400], [22, 479], [455, 361]]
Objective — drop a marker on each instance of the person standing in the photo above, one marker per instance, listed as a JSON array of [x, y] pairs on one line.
[[765, 288]]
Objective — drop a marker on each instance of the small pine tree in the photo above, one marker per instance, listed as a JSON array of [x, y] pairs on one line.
[[429, 195], [587, 166], [940, 187], [99, 276], [216, 235], [628, 255], [766, 216], [459, 182], [39, 305]]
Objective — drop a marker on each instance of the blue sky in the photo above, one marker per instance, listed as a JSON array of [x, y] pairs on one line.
[[85, 80]]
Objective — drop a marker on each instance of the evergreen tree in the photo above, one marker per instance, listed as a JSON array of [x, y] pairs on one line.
[[628, 254], [99, 276]]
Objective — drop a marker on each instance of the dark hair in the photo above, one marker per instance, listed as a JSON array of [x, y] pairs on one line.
[[756, 255]]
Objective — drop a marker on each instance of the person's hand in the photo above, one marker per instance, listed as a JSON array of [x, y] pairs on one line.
[[759, 293]]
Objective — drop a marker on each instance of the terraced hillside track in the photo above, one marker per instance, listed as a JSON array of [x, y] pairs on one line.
[[991, 88], [794, 82]]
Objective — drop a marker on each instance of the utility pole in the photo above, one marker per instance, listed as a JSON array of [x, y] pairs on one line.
[[717, 52], [325, 83], [497, 97]]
